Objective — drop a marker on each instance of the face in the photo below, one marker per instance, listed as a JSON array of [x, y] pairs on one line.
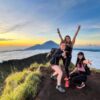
[[62, 46], [68, 39], [80, 56]]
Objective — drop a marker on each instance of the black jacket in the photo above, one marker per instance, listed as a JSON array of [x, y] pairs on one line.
[[56, 57]]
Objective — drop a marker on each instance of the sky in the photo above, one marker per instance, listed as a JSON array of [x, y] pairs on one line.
[[29, 22]]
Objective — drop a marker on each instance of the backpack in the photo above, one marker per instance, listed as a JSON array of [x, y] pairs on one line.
[[88, 71], [51, 53]]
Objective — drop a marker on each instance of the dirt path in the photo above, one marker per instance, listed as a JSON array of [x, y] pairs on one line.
[[90, 92]]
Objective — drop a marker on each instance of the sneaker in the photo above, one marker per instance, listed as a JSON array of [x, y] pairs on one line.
[[53, 77], [60, 89], [81, 86]]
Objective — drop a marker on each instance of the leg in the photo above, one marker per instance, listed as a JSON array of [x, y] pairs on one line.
[[74, 74], [76, 80], [83, 78], [66, 64], [58, 72], [82, 82], [73, 78], [54, 74], [59, 77], [79, 81]]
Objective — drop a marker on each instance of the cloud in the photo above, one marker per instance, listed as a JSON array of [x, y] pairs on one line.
[[92, 27], [14, 27], [4, 39], [57, 8], [46, 15]]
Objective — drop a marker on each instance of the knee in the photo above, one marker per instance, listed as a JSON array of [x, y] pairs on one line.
[[60, 73]]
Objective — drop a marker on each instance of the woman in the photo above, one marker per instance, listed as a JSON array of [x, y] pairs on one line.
[[55, 66], [69, 48], [79, 75]]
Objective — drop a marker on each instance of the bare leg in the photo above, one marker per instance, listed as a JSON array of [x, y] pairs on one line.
[[54, 74], [58, 72]]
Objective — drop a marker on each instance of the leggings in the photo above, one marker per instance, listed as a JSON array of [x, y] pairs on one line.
[[66, 64], [78, 78]]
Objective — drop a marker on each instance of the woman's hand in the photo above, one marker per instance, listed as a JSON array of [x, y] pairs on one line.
[[64, 54], [75, 70], [87, 62], [70, 73]]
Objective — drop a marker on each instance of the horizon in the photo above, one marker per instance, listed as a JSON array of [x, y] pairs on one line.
[[25, 23], [25, 47]]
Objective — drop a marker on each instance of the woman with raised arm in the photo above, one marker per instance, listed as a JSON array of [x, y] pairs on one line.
[[69, 47]]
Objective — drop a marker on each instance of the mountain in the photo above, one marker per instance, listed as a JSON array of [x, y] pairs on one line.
[[51, 44], [46, 45]]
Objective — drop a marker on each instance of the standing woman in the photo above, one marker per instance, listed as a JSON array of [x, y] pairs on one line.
[[69, 47], [60, 53]]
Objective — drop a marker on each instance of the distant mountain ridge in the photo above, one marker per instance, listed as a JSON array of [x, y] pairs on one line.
[[47, 45], [51, 44], [87, 49]]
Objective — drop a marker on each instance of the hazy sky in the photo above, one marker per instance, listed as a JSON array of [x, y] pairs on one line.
[[29, 22]]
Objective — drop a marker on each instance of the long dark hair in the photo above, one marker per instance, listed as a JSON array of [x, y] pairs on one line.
[[78, 61], [70, 43]]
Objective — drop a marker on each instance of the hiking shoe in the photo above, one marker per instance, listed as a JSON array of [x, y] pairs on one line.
[[53, 77], [60, 89], [81, 86]]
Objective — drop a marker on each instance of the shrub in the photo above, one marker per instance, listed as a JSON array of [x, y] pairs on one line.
[[21, 85]]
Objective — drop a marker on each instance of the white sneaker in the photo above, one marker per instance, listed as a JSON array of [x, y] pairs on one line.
[[60, 89], [81, 86]]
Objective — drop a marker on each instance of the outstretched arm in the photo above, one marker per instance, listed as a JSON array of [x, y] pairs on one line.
[[75, 70], [58, 31], [87, 62], [73, 41]]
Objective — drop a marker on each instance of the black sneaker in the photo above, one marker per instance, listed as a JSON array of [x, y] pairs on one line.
[[60, 89], [53, 77]]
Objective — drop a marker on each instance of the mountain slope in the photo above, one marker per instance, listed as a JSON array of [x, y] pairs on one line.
[[90, 92]]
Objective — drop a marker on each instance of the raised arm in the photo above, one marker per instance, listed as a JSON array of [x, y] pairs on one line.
[[58, 31], [74, 38]]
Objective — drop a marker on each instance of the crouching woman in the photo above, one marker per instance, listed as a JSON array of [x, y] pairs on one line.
[[78, 76]]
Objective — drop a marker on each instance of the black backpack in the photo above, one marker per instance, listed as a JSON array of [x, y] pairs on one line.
[[88, 71], [51, 53]]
